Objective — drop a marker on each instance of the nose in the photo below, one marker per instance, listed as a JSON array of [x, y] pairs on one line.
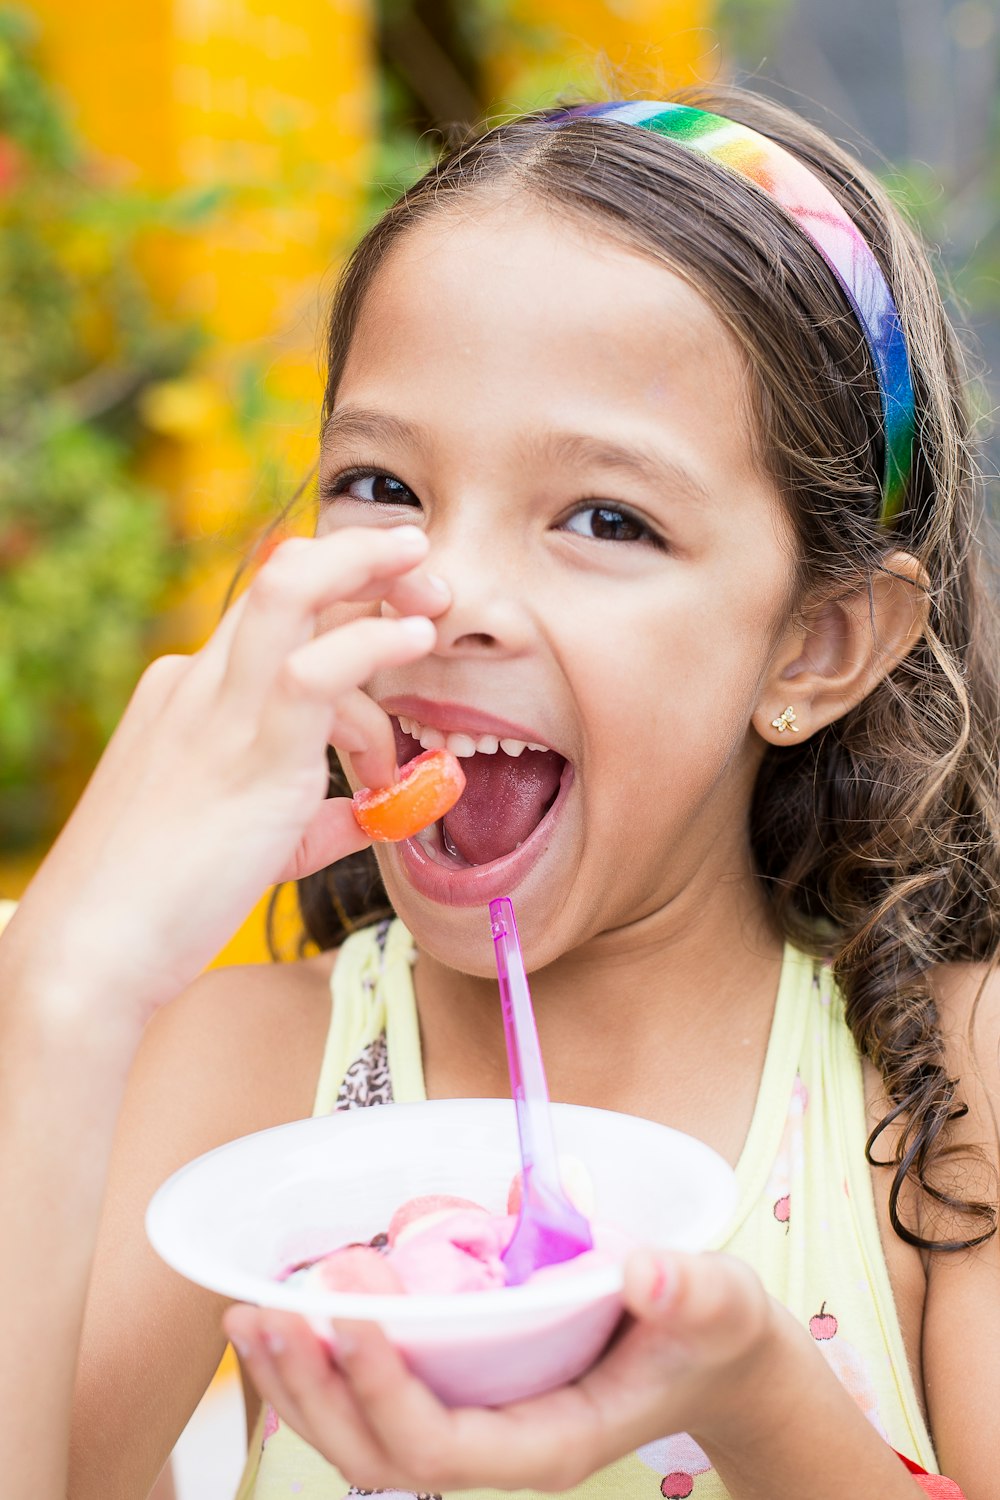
[[489, 614]]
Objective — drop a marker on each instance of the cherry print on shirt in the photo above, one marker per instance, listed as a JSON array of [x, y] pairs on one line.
[[678, 1459], [823, 1325], [676, 1486], [790, 1160]]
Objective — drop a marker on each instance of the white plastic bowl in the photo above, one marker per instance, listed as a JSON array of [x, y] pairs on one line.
[[234, 1219]]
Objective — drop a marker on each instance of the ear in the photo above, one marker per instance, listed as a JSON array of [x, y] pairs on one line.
[[838, 648]]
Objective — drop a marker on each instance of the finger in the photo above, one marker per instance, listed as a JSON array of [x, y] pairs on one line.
[[331, 835], [408, 1422], [207, 665], [299, 579], [293, 1371], [712, 1306], [441, 1448], [650, 1285], [691, 1316], [539, 1443], [215, 651], [366, 731], [304, 697], [417, 593]]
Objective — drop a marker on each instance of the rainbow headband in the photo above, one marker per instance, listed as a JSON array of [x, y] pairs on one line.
[[822, 220]]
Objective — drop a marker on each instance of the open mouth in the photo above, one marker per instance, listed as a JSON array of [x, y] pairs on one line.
[[510, 788]]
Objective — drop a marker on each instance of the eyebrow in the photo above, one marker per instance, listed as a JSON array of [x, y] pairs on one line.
[[359, 424], [635, 460]]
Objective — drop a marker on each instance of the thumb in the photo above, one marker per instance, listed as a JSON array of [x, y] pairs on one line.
[[651, 1285], [713, 1305], [331, 834]]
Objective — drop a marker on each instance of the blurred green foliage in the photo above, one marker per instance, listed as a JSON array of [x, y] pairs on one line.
[[86, 550]]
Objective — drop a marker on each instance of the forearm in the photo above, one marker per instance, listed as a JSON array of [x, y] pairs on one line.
[[786, 1428], [65, 1058]]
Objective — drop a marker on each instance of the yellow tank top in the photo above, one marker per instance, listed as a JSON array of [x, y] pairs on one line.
[[805, 1219]]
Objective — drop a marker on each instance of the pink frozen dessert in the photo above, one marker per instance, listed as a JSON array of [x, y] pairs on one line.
[[439, 1244]]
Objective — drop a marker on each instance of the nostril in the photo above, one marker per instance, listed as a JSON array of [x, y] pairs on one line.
[[475, 638]]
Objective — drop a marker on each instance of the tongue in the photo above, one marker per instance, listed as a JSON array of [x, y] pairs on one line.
[[505, 799]]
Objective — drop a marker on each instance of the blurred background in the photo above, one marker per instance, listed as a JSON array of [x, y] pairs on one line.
[[179, 183]]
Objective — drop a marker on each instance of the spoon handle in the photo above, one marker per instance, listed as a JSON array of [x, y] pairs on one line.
[[524, 1055]]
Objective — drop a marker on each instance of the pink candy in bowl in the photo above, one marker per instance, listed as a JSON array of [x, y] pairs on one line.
[[236, 1219]]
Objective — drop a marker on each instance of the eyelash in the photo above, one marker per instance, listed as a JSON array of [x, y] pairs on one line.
[[335, 488]]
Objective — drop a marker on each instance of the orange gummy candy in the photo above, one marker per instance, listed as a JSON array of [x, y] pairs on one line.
[[428, 787]]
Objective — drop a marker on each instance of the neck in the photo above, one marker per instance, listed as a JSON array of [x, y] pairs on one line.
[[669, 996]]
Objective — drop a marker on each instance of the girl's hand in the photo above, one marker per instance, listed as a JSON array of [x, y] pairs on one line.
[[700, 1326], [214, 784], [705, 1351]]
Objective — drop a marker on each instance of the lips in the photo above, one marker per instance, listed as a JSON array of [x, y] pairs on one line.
[[504, 820], [452, 884]]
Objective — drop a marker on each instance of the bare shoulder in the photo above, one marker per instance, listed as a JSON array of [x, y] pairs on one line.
[[251, 1036], [962, 1312], [968, 1005], [961, 988], [968, 1002]]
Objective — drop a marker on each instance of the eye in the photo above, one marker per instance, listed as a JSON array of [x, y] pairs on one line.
[[370, 486], [609, 523]]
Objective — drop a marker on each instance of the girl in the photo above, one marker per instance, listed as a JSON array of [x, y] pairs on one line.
[[645, 485]]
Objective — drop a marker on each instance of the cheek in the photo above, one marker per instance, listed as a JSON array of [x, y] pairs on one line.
[[674, 686], [659, 660]]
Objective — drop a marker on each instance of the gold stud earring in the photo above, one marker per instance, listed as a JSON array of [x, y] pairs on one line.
[[785, 720]]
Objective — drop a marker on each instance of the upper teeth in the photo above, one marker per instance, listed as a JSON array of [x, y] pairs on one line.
[[463, 744]]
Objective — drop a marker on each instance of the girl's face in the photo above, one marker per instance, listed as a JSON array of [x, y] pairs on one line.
[[567, 420]]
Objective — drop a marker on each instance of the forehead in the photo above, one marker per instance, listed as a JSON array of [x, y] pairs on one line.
[[508, 314]]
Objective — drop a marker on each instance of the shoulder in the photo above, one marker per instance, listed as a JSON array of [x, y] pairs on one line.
[[242, 1044], [968, 1005], [961, 1352], [967, 1002], [960, 987], [967, 998]]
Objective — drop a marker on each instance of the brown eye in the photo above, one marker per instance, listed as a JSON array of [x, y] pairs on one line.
[[370, 485], [387, 491], [607, 523]]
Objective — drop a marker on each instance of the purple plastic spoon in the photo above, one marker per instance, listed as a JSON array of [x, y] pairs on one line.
[[549, 1229]]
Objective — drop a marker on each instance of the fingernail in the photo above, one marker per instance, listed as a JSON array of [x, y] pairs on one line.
[[273, 1342], [438, 584], [241, 1346], [419, 627], [662, 1286]]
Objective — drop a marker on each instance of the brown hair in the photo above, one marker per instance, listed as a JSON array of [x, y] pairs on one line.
[[878, 839]]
